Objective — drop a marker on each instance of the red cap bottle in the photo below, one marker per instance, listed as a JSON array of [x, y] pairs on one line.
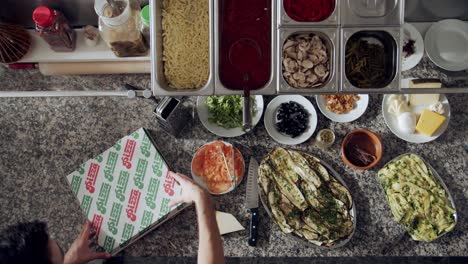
[[43, 16]]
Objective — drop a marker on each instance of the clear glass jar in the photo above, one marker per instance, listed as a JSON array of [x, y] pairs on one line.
[[55, 29], [120, 28], [145, 25], [325, 138]]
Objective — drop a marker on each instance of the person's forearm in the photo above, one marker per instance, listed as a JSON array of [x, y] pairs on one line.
[[210, 248]]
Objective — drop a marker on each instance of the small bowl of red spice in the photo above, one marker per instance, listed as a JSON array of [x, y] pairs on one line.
[[309, 10], [361, 149]]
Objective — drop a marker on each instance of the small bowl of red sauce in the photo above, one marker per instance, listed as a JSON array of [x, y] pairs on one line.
[[361, 149], [309, 10]]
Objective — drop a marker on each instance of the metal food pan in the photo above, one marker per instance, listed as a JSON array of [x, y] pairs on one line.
[[270, 87], [331, 37], [394, 33], [285, 20], [159, 84], [372, 12]]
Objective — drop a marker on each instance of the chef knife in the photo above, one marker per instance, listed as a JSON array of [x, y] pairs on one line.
[[252, 201]]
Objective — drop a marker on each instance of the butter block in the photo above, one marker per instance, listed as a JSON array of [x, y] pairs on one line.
[[424, 99], [425, 83], [429, 122]]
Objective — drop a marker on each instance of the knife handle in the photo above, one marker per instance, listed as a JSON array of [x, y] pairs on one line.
[[253, 227]]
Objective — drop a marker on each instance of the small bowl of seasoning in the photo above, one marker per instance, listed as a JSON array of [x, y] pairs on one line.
[[325, 138], [361, 149]]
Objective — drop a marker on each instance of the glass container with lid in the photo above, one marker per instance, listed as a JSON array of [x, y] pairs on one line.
[[145, 24], [120, 27], [54, 28], [325, 138]]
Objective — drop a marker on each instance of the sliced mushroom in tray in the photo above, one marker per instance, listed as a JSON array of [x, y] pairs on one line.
[[306, 61]]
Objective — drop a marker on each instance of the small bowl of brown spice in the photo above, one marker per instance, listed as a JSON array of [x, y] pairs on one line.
[[361, 149]]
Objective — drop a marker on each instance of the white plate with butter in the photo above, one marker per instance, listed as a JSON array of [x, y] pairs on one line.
[[392, 121]]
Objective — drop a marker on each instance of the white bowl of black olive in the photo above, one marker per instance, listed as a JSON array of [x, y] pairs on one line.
[[290, 119]]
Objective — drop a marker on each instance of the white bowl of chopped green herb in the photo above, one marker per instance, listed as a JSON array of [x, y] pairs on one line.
[[222, 115]]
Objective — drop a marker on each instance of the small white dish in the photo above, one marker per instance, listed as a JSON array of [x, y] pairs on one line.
[[392, 121], [204, 115], [447, 44], [411, 33], [270, 119], [357, 112]]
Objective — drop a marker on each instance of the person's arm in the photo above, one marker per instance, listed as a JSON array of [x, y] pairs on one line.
[[210, 247]]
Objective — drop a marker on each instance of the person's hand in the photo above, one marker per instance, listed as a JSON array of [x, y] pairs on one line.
[[79, 252], [191, 191]]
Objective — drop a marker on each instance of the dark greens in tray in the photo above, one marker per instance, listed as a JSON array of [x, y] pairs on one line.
[[370, 59]]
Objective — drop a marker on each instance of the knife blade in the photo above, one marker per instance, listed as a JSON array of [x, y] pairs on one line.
[[252, 201]]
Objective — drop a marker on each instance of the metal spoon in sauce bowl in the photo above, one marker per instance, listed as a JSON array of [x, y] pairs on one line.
[[239, 50]]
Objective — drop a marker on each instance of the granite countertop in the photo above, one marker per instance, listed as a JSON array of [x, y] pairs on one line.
[[44, 139]]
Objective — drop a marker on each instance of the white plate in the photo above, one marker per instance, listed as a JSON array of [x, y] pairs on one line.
[[270, 119], [203, 114], [392, 122], [352, 115], [447, 44], [410, 32]]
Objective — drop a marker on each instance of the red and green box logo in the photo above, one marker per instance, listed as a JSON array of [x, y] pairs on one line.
[[111, 162], [127, 232], [75, 184], [140, 173], [152, 193], [146, 220], [86, 203], [121, 187], [109, 243], [146, 146], [103, 198], [114, 218]]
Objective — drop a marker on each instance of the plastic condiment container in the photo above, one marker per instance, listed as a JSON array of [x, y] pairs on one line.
[[55, 29], [120, 28], [325, 138], [145, 24]]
